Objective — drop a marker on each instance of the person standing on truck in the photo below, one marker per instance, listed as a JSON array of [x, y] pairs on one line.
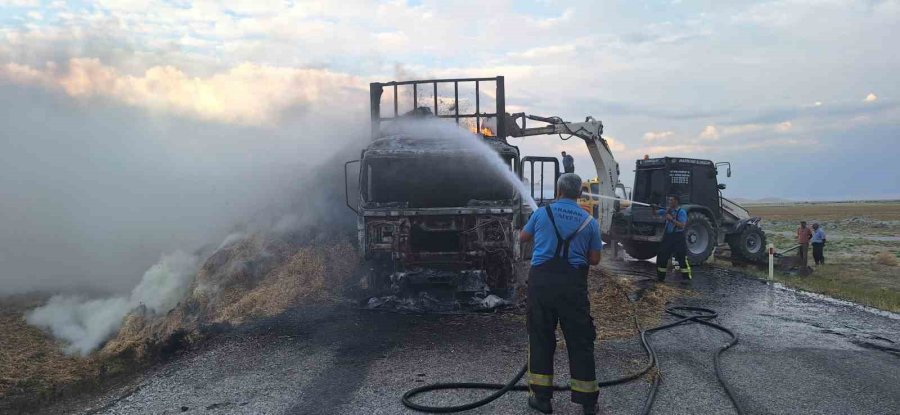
[[566, 243], [803, 237], [673, 242], [818, 244], [568, 163]]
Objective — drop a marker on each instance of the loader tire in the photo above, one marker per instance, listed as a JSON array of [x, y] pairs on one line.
[[700, 237], [751, 245], [641, 250]]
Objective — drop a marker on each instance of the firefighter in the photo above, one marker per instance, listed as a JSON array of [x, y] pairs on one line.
[[566, 242], [673, 242]]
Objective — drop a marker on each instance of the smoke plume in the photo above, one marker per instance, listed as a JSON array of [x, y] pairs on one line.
[[113, 209], [85, 324], [92, 193]]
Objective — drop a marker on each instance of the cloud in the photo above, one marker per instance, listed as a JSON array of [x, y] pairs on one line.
[[249, 94], [871, 97], [546, 52], [20, 3], [550, 22], [784, 127], [657, 135], [710, 132], [614, 145]]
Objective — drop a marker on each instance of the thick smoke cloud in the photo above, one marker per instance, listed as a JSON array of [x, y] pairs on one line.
[[93, 193]]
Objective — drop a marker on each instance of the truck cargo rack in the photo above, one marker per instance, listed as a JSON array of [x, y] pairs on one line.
[[376, 90]]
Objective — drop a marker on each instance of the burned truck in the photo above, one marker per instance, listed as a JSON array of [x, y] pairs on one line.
[[434, 216]]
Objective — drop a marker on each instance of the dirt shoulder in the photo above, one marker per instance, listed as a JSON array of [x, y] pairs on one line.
[[861, 253]]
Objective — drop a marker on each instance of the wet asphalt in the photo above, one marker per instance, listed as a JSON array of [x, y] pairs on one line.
[[797, 355]]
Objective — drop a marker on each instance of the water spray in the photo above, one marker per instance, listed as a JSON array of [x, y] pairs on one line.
[[616, 198]]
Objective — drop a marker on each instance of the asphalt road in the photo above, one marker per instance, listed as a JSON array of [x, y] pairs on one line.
[[797, 355]]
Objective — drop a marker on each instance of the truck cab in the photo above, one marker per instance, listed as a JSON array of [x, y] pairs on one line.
[[438, 219]]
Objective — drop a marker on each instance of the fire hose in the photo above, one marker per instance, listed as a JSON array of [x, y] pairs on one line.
[[685, 315]]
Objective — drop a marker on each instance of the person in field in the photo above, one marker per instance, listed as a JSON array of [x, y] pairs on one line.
[[818, 244], [804, 235]]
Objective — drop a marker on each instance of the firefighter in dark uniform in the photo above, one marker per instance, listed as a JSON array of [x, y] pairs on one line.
[[673, 242], [566, 242]]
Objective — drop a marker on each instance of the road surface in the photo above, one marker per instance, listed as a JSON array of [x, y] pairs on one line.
[[797, 355]]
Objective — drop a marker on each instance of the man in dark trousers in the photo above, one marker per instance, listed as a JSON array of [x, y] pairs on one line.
[[566, 242], [673, 242], [568, 163], [818, 244]]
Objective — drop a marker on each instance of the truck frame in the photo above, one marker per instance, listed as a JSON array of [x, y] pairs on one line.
[[427, 223]]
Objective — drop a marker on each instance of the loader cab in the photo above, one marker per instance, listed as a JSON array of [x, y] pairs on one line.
[[693, 180], [712, 219]]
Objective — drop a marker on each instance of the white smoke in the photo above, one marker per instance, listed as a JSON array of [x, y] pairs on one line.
[[434, 128], [85, 324]]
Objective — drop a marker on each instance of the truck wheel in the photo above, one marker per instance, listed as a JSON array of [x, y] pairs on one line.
[[752, 244], [641, 250], [700, 237]]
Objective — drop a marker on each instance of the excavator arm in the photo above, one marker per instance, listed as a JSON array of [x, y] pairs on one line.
[[591, 132]]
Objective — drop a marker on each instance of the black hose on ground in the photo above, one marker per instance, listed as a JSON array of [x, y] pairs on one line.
[[685, 314]]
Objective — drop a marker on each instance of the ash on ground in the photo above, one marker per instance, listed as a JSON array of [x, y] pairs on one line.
[[428, 303]]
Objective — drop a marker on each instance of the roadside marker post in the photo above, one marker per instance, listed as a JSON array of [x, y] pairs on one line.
[[771, 262]]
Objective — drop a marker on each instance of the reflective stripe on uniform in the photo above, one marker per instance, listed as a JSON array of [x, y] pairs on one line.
[[584, 386], [687, 265], [661, 269], [539, 379]]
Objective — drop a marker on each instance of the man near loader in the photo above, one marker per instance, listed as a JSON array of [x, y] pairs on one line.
[[566, 242], [673, 242], [568, 163], [818, 244], [803, 237]]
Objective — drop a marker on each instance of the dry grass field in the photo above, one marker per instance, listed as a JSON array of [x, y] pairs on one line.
[[33, 367], [829, 211], [861, 252]]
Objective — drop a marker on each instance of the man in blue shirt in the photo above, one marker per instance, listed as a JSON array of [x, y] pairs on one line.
[[566, 242], [673, 242], [818, 244]]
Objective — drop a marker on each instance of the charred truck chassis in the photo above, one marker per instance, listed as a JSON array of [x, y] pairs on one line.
[[427, 221], [465, 254]]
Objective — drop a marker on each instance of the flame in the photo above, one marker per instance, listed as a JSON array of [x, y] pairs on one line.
[[484, 131]]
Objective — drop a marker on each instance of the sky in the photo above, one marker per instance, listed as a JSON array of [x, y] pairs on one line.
[[800, 95], [125, 116]]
